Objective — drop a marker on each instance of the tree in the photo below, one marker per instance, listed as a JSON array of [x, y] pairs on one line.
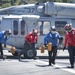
[[12, 2], [65, 1], [19, 2], [1, 3]]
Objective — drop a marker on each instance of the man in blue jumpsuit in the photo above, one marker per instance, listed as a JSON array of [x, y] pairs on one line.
[[3, 38], [52, 37]]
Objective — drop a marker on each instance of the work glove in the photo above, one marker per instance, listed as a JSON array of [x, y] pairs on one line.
[[61, 38], [64, 48]]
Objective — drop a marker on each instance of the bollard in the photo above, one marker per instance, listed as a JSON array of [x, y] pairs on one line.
[[42, 49], [49, 46]]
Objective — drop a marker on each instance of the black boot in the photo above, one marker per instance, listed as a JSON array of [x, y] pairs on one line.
[[72, 66], [4, 57], [53, 63], [50, 64], [19, 56]]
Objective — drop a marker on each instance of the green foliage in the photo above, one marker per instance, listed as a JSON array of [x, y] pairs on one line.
[[8, 3]]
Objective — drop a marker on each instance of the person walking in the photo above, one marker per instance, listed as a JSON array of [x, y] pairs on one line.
[[30, 41], [52, 37], [69, 41], [3, 38]]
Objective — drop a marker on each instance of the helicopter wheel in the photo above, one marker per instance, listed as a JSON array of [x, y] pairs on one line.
[[29, 54]]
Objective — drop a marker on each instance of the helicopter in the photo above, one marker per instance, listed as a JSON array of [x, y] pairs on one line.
[[23, 18]]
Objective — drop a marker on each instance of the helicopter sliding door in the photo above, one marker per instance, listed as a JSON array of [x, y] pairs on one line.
[[43, 28], [31, 25]]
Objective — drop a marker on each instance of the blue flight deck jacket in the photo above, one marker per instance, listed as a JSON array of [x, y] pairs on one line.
[[53, 38], [3, 38]]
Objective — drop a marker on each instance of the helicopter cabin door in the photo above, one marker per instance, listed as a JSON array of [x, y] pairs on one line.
[[43, 27], [31, 22]]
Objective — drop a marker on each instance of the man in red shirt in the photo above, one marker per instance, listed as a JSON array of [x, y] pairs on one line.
[[30, 40], [32, 37], [69, 41]]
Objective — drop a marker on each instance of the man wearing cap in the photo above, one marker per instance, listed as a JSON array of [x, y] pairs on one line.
[[52, 37], [30, 40], [3, 38], [69, 41]]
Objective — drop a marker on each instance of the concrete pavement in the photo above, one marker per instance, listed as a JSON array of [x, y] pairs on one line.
[[11, 66]]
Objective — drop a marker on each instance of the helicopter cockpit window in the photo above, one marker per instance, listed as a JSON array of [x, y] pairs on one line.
[[15, 27], [22, 27], [44, 27], [60, 26]]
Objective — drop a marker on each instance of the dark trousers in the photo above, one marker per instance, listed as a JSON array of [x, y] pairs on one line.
[[1, 50], [71, 50], [26, 47], [52, 55]]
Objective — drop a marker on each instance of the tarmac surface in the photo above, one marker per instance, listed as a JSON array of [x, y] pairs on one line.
[[11, 65]]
